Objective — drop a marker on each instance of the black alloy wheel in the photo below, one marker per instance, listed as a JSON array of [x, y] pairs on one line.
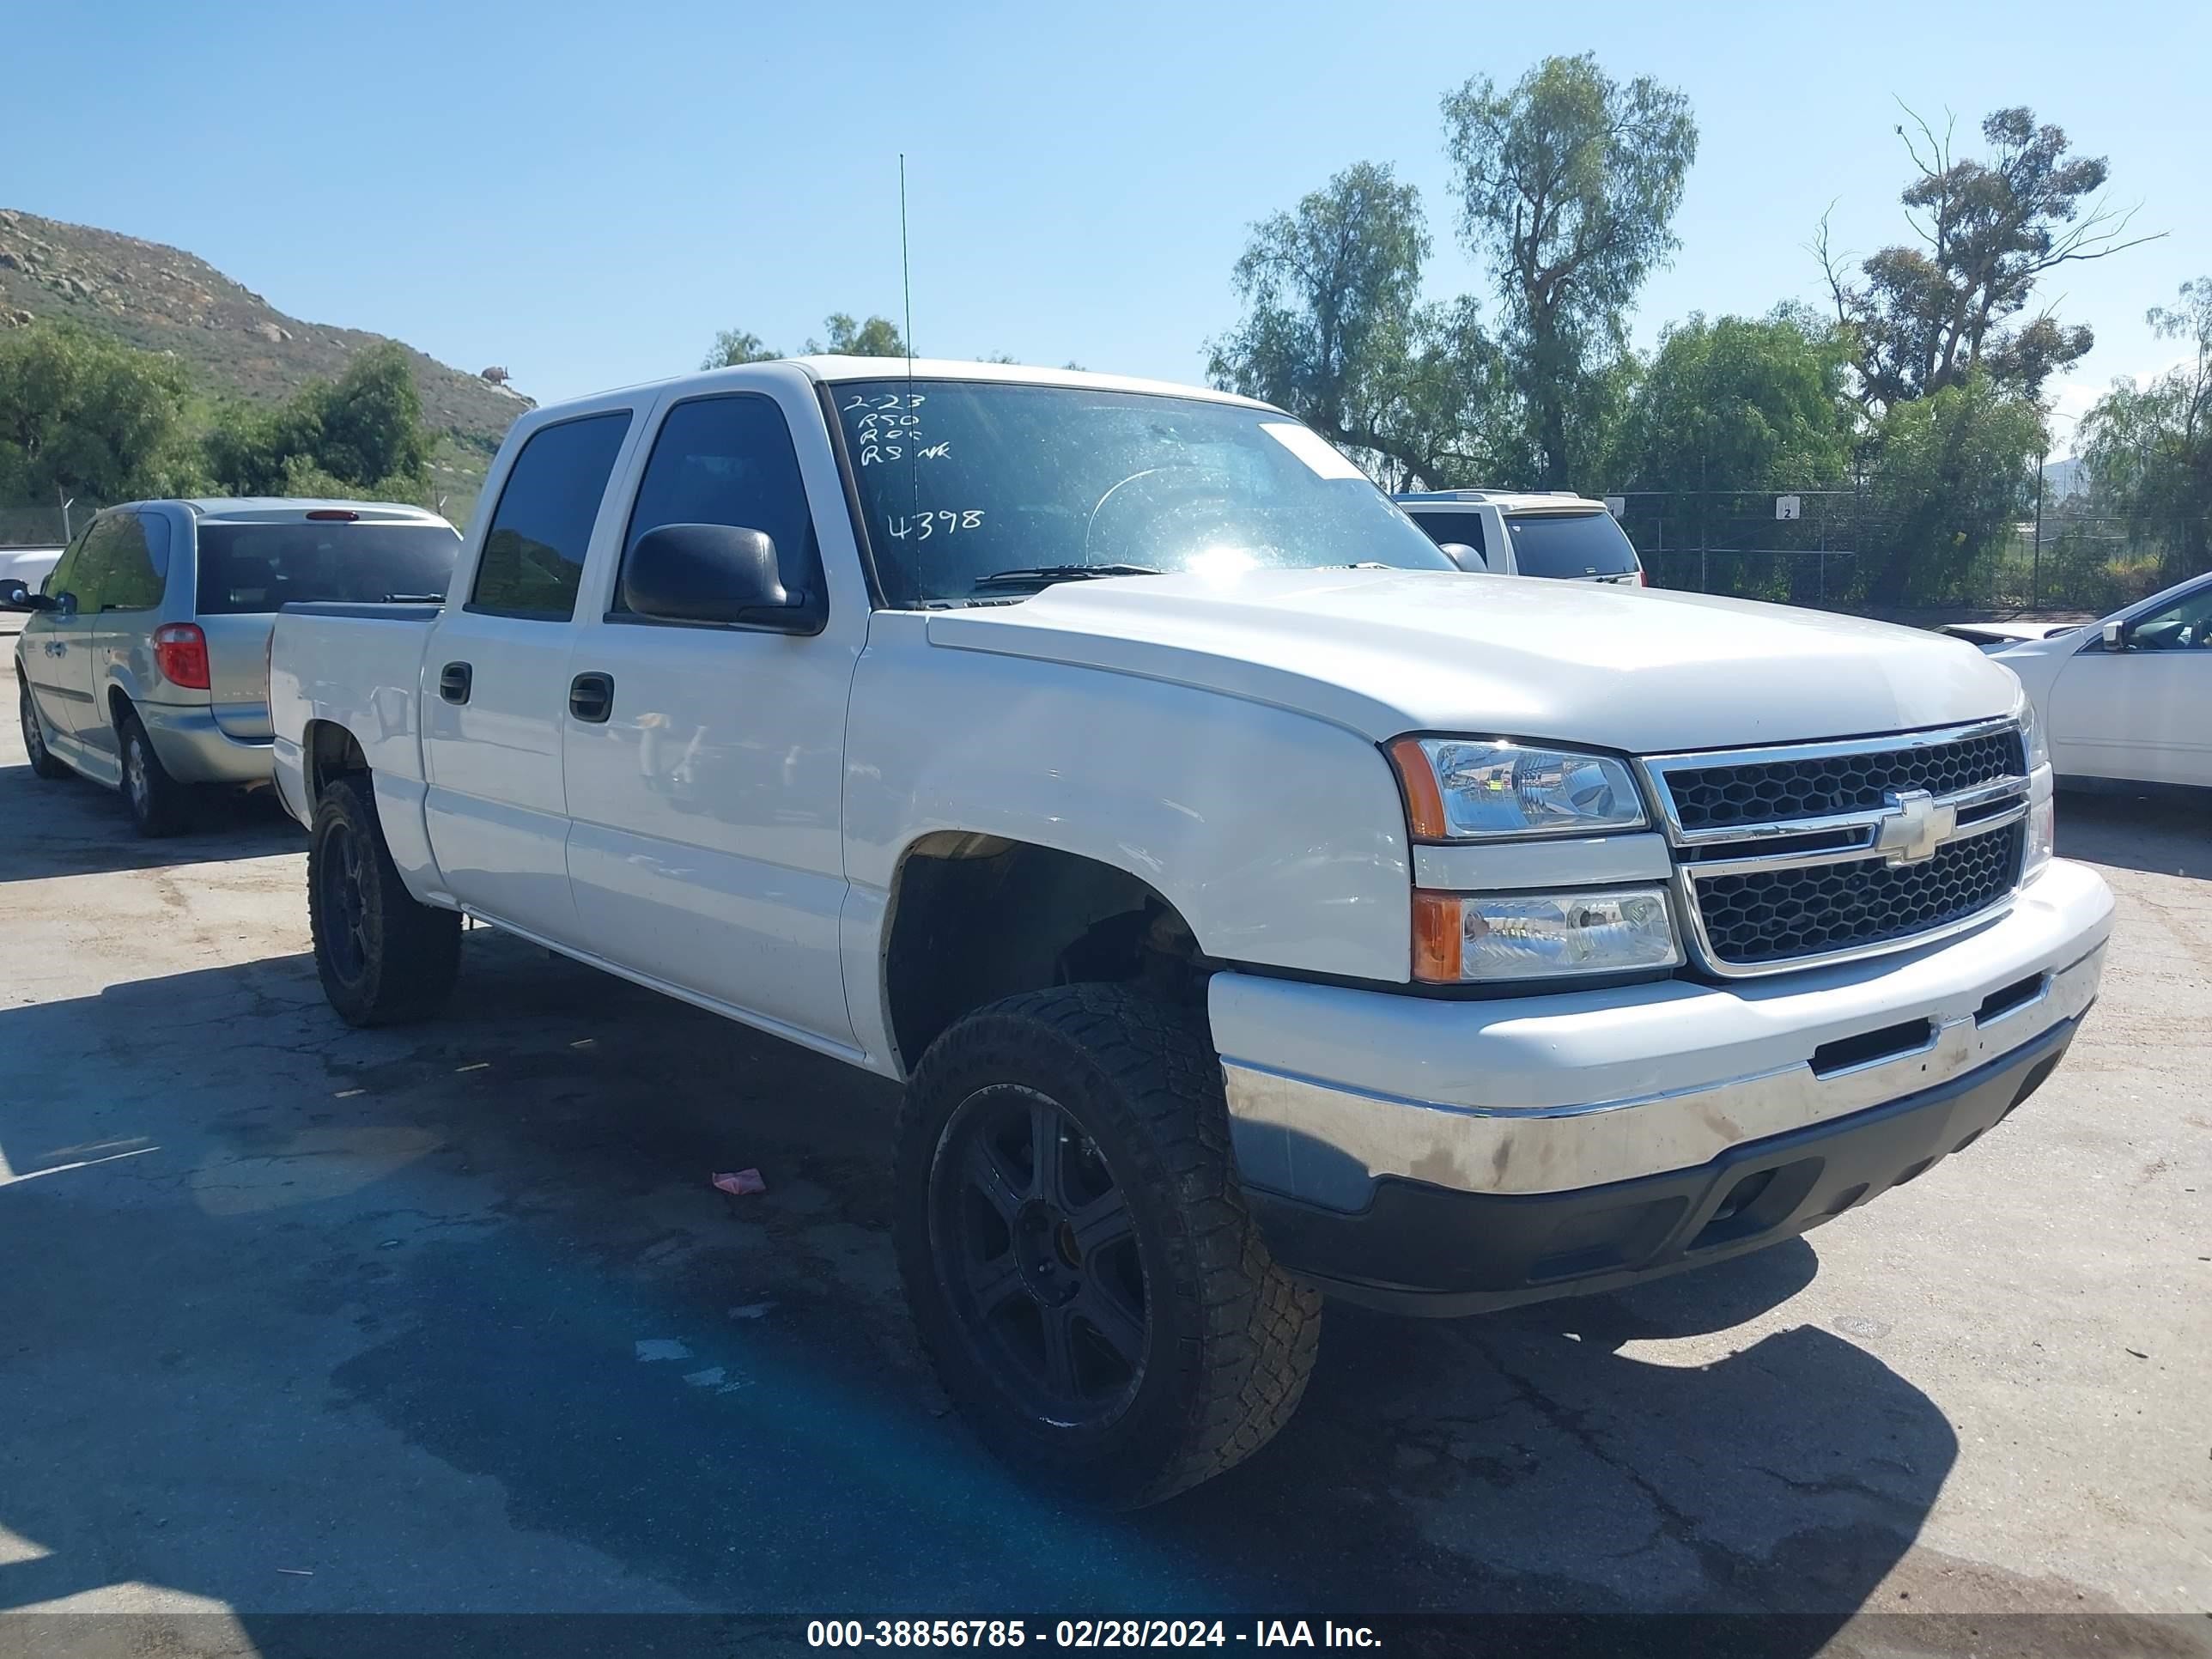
[[1038, 1248], [344, 902]]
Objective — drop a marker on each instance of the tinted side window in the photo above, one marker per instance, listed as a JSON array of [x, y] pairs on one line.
[[533, 555], [1463, 527], [2185, 624], [88, 577], [131, 576], [64, 571], [729, 460]]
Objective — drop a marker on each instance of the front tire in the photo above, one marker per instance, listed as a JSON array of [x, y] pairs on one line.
[[383, 957], [34, 736], [1076, 1250]]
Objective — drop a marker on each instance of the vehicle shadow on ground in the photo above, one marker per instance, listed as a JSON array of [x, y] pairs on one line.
[[452, 1317], [69, 827], [2163, 834]]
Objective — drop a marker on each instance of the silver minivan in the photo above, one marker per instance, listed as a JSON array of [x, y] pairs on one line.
[[144, 665]]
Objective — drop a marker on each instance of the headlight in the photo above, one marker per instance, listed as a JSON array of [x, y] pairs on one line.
[[1460, 938], [2033, 738], [1468, 788]]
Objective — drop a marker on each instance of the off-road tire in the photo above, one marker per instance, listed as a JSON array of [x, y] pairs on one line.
[[158, 806], [391, 959], [43, 762], [1229, 1337]]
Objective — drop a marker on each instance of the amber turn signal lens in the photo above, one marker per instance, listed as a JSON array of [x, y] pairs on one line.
[[1435, 937], [1425, 802]]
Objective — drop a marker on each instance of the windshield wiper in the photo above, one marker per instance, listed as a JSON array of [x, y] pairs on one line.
[[1063, 573]]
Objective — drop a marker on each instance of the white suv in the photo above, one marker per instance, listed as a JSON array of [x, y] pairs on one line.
[[1560, 534]]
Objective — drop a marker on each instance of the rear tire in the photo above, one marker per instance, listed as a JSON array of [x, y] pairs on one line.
[[34, 736], [1102, 1310], [383, 957], [159, 807]]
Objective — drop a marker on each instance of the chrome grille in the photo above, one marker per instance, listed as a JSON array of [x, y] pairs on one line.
[[1778, 915], [1708, 797], [1821, 851]]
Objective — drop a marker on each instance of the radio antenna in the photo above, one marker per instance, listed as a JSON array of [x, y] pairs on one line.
[[906, 273], [906, 287]]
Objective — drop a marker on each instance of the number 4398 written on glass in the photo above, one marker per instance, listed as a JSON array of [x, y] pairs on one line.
[[922, 526]]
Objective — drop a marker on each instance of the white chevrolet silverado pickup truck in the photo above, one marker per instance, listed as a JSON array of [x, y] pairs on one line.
[[1254, 905]]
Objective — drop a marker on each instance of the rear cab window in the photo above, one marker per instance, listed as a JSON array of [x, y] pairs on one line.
[[532, 564], [264, 566], [1570, 544]]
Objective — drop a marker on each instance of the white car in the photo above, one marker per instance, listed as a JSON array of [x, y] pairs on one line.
[[2003, 635], [1251, 903], [28, 565], [2128, 700]]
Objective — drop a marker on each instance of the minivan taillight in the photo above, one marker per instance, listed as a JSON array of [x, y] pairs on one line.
[[180, 652]]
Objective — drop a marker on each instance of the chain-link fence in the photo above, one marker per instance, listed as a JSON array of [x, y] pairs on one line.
[[42, 526], [1833, 548]]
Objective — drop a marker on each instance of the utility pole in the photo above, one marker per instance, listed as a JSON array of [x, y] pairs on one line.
[[2035, 580], [67, 502]]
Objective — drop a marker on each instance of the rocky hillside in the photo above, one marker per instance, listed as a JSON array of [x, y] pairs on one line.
[[237, 344]]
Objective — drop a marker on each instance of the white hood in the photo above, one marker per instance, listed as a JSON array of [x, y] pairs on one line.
[[1385, 652]]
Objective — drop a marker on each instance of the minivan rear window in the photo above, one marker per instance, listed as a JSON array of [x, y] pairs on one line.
[[1570, 544], [247, 567]]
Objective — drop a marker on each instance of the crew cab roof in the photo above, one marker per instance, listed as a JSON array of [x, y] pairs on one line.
[[1505, 501], [834, 369], [830, 371]]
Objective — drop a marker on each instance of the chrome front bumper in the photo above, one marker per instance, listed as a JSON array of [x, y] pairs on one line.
[[1331, 1090]]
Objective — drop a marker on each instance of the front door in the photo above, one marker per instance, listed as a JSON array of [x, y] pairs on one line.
[[705, 846], [2140, 712], [495, 682], [57, 663]]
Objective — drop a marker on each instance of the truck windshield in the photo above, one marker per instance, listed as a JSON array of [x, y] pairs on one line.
[[1570, 544], [964, 482], [247, 568]]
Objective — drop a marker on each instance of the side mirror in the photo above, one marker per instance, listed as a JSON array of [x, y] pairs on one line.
[[16, 595], [708, 572], [1466, 557], [2115, 636]]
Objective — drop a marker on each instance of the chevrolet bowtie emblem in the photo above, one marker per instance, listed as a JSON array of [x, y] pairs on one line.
[[1914, 827]]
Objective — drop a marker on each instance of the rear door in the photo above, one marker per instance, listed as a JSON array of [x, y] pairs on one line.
[[80, 637], [128, 569], [495, 692]]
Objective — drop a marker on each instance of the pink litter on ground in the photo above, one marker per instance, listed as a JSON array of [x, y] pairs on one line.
[[741, 1183]]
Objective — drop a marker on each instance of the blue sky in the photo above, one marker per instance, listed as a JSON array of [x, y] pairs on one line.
[[585, 193]]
